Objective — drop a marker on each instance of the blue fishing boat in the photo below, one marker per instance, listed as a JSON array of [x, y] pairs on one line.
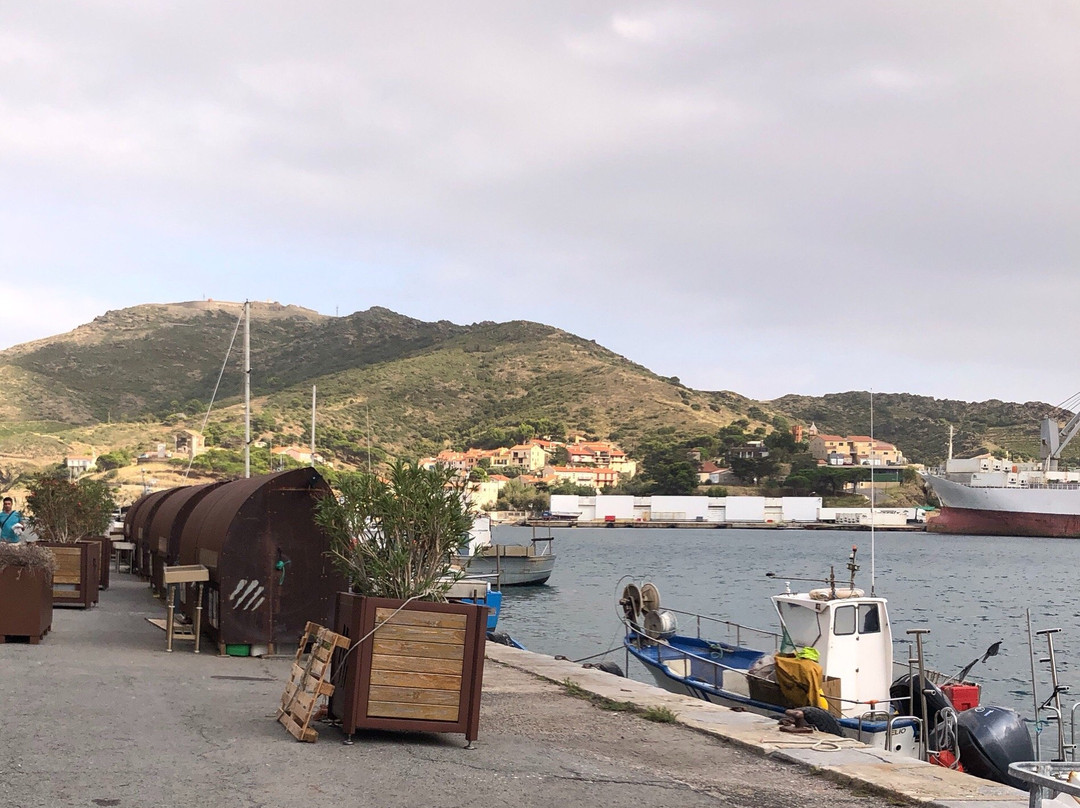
[[830, 667]]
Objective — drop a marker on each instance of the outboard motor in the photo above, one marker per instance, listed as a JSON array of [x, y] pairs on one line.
[[990, 739]]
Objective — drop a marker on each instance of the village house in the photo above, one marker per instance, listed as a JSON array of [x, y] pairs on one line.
[[598, 478], [77, 466], [751, 450], [601, 454], [854, 450], [297, 453], [189, 443], [529, 456], [712, 474]]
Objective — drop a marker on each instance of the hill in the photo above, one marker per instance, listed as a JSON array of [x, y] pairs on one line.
[[919, 425], [400, 386], [420, 386]]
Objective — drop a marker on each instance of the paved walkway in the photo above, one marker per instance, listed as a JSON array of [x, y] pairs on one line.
[[100, 715], [870, 770]]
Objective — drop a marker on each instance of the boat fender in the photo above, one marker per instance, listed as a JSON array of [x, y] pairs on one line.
[[606, 666], [500, 637], [822, 720], [842, 593], [936, 701]]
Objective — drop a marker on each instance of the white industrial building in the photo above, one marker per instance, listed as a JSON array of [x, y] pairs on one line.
[[721, 510]]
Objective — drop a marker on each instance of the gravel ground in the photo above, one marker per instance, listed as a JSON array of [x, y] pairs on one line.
[[99, 715]]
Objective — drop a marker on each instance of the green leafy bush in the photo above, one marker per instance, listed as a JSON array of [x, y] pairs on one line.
[[64, 511], [394, 537]]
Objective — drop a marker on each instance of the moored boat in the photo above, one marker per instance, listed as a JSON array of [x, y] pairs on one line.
[[990, 496], [833, 661], [510, 564]]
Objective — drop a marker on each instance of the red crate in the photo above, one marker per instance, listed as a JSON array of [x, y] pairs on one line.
[[963, 696]]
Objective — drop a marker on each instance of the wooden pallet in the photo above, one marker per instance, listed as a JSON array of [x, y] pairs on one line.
[[308, 681]]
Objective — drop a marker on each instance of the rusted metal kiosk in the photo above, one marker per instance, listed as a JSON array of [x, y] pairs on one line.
[[266, 557], [167, 525], [144, 510]]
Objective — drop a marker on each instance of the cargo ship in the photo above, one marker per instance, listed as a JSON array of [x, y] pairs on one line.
[[990, 496]]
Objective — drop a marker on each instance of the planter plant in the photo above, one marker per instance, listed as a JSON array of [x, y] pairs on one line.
[[417, 661], [66, 515], [26, 575]]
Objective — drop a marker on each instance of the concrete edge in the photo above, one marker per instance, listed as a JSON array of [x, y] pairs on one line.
[[850, 762]]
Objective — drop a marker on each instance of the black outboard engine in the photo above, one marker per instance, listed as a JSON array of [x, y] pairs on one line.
[[990, 739]]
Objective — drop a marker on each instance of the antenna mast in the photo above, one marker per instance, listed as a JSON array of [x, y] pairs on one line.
[[872, 492], [247, 389], [313, 425]]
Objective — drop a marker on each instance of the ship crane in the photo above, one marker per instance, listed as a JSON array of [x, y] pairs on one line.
[[1053, 440]]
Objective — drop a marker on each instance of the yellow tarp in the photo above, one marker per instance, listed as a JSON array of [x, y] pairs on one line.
[[799, 681]]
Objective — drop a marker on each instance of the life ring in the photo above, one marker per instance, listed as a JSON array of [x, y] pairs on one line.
[[841, 593]]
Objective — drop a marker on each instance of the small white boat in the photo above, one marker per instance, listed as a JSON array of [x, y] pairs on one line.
[[833, 661], [510, 564]]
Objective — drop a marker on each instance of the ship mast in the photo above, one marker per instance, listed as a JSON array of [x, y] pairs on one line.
[[247, 388], [1053, 441], [872, 498]]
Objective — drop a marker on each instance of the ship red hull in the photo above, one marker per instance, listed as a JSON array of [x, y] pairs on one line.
[[1004, 523]]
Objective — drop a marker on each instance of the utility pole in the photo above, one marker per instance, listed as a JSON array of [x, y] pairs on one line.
[[313, 425], [247, 389]]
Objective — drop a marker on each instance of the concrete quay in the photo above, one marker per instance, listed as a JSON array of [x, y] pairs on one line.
[[99, 715]]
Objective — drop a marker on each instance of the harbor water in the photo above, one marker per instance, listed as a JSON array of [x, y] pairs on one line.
[[970, 591]]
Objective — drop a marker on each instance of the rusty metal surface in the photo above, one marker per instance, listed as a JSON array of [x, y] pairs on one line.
[[241, 531], [141, 521], [168, 523], [140, 527], [129, 516]]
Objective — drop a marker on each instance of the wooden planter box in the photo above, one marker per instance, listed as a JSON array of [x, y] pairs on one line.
[[76, 580], [422, 669], [25, 603], [105, 562], [94, 553]]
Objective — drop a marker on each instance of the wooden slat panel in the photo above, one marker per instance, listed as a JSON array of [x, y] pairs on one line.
[[68, 565], [399, 664], [415, 695], [383, 709], [298, 703], [422, 634], [296, 730], [429, 681], [434, 619], [434, 650]]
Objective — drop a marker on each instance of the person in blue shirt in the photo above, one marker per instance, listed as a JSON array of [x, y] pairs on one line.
[[8, 519]]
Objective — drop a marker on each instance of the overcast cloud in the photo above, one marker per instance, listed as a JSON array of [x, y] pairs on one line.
[[768, 198]]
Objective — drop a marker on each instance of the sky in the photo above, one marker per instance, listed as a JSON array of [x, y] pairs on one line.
[[768, 198]]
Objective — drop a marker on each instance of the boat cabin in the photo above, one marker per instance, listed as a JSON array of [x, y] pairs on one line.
[[853, 639]]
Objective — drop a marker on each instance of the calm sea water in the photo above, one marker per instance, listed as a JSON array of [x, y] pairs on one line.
[[970, 591]]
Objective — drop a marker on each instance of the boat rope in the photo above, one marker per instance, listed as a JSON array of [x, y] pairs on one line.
[[594, 656], [827, 744]]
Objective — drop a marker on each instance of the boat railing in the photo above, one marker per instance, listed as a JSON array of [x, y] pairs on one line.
[[735, 631], [1046, 779], [711, 670]]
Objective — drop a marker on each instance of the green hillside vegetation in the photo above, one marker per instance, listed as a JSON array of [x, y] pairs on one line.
[[393, 386], [919, 425]]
